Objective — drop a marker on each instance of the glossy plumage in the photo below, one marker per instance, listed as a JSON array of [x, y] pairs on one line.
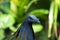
[[25, 31]]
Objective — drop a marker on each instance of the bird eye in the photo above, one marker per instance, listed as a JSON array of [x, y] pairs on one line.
[[31, 20]]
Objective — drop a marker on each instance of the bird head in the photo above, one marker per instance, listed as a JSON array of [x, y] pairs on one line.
[[33, 19]]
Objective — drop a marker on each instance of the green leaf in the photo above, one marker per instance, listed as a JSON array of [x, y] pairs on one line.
[[6, 21], [39, 12], [1, 34], [23, 3], [37, 28]]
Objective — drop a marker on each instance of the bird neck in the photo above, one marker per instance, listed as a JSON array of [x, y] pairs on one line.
[[29, 29]]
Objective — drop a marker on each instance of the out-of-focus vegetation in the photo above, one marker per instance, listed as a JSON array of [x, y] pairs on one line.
[[13, 13]]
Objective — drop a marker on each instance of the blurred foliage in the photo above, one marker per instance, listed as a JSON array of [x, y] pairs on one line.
[[36, 26], [13, 13], [6, 21]]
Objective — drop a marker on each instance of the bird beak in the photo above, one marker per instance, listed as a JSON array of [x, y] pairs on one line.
[[38, 21]]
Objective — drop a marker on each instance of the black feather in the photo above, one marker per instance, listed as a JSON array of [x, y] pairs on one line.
[[25, 31]]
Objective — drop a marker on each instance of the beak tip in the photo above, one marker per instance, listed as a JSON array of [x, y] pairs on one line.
[[38, 21]]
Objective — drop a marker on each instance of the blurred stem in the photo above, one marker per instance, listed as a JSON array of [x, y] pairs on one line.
[[59, 37], [27, 7], [50, 19], [55, 17]]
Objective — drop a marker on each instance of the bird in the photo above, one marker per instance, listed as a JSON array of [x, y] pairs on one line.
[[25, 31]]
